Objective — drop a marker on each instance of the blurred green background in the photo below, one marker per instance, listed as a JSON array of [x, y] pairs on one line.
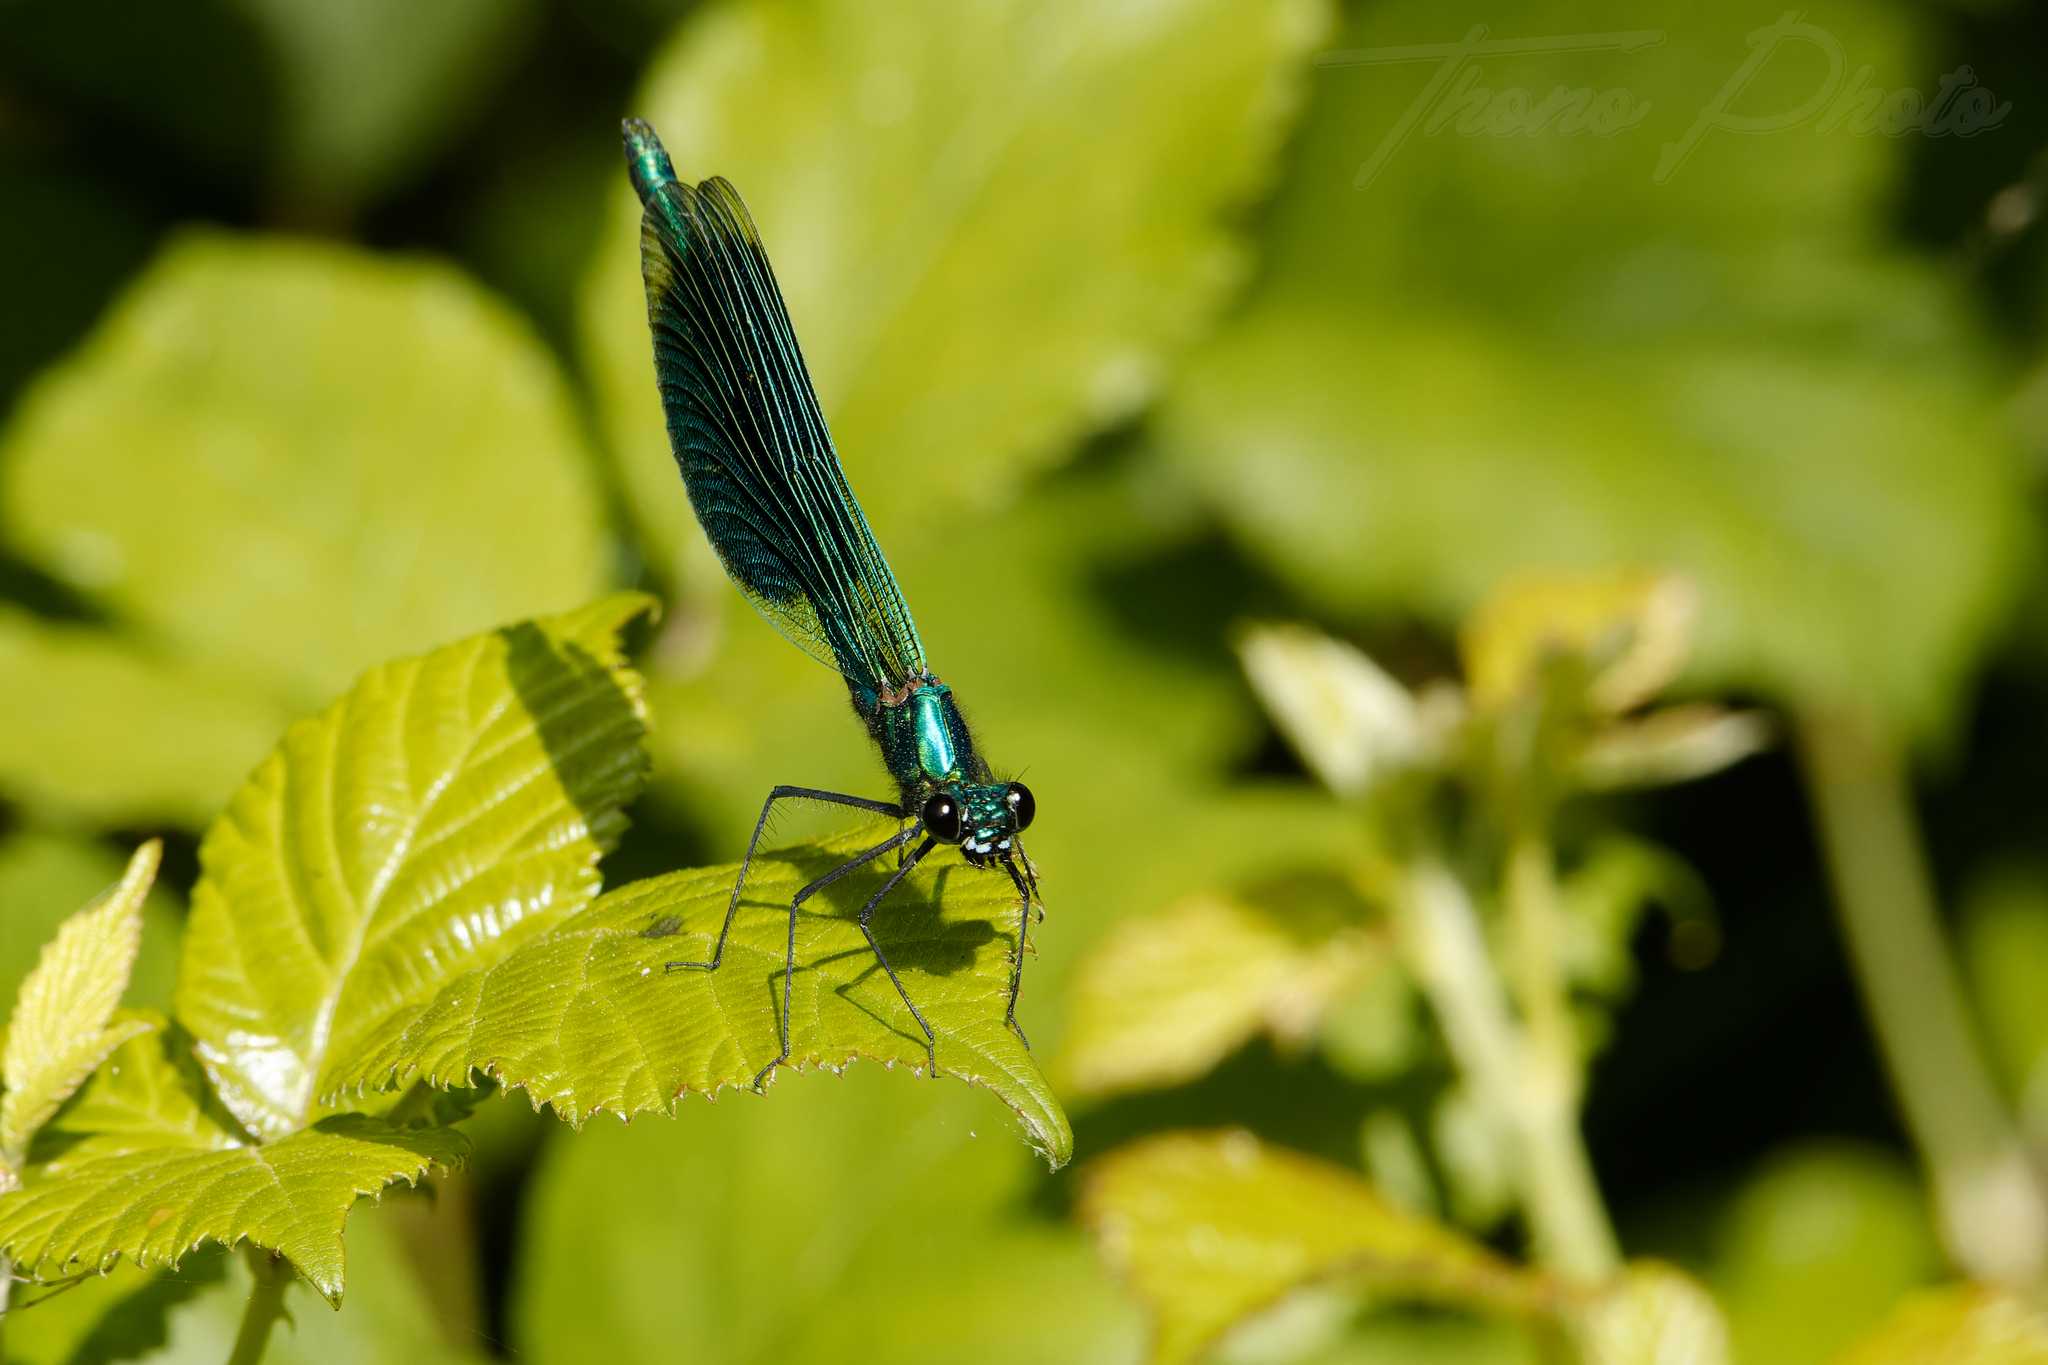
[[321, 340]]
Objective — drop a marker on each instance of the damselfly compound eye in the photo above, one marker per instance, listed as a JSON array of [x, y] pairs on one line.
[[941, 816], [1017, 797]]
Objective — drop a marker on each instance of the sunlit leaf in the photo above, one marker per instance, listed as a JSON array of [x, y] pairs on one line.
[[585, 1018], [876, 1218], [447, 808], [992, 238], [1165, 997], [44, 875], [1672, 744], [365, 457], [153, 1204], [1350, 722], [1209, 1228], [1651, 1315], [1633, 628], [150, 1095], [1957, 1325], [63, 1022]]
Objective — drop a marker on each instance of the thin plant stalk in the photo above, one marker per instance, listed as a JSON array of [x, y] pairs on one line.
[[1570, 1225], [264, 1309], [1516, 1083], [1990, 1201]]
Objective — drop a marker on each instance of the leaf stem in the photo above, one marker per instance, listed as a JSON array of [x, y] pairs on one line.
[[266, 1305], [1515, 1078], [1992, 1207], [1567, 1220]]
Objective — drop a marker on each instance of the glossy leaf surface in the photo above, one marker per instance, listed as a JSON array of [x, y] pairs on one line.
[[153, 1204], [586, 1019], [447, 808], [63, 1024]]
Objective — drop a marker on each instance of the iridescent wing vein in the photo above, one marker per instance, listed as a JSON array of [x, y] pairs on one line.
[[750, 438]]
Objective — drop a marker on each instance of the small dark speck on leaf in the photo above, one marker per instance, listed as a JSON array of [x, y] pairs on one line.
[[663, 927]]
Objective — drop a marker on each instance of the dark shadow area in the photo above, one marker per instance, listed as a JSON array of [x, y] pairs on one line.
[[87, 237], [594, 738], [25, 586], [663, 835], [178, 101], [909, 923], [1946, 202], [1185, 600], [1709, 1070]]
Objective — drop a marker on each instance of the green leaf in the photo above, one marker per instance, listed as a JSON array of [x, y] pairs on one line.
[[125, 733], [446, 809], [1715, 374], [1271, 1222], [992, 239], [367, 457], [1165, 997], [1631, 629], [1669, 745], [876, 1219], [62, 1027], [584, 1018], [1814, 1248], [1651, 1315], [149, 1095], [153, 1204], [1963, 1324], [1350, 722], [43, 874]]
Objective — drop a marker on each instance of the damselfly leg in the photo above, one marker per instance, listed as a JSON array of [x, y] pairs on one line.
[[859, 860]]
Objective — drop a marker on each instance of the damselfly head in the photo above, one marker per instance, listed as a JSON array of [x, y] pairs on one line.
[[982, 818]]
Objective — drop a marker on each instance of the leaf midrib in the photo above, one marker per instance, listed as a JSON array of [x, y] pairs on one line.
[[366, 906]]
